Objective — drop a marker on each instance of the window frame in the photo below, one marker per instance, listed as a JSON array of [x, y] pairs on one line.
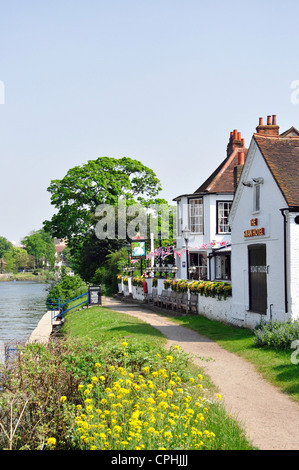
[[226, 256], [256, 198], [217, 216], [190, 200]]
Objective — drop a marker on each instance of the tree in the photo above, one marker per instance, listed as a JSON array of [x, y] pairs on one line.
[[78, 195], [5, 246], [21, 258], [40, 245], [100, 181]]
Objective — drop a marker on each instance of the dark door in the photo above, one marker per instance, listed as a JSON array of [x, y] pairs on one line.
[[257, 278]]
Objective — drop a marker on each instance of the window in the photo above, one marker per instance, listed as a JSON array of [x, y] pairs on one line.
[[196, 215], [199, 260], [256, 197], [223, 209], [222, 266]]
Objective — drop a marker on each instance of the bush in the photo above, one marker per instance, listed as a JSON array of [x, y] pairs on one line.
[[278, 334], [68, 288]]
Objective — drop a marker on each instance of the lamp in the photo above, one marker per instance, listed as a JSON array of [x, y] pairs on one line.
[[247, 183], [186, 233], [258, 180], [129, 250]]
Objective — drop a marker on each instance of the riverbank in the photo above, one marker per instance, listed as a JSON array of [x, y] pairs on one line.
[[39, 277]]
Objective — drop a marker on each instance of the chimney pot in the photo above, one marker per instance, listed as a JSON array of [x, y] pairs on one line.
[[260, 121], [235, 134], [243, 142], [239, 135], [241, 158], [274, 120], [268, 120]]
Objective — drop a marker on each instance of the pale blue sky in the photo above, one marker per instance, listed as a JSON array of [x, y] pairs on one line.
[[161, 81]]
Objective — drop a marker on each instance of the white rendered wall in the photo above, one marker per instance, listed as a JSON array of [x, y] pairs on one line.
[[293, 271], [270, 218]]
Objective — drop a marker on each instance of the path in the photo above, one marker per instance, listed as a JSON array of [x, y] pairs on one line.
[[270, 418]]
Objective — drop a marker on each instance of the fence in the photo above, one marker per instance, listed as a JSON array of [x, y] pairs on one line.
[[59, 307]]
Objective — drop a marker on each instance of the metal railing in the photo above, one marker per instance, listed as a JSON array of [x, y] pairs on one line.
[[59, 307]]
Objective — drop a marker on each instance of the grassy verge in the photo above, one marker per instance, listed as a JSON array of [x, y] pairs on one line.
[[171, 428], [109, 383], [275, 365]]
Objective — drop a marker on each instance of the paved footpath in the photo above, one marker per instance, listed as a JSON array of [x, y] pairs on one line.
[[269, 417]]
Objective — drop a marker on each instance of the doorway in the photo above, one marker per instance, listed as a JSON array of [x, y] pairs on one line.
[[257, 265]]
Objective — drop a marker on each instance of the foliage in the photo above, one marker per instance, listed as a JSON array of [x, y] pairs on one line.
[[40, 245], [147, 408], [78, 394], [5, 246], [137, 281], [100, 181], [67, 288], [77, 197], [155, 282], [277, 334], [221, 290], [106, 275]]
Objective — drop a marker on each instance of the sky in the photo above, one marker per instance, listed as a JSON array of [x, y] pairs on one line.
[[160, 81]]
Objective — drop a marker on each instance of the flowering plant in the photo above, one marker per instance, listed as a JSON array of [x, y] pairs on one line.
[[137, 281]]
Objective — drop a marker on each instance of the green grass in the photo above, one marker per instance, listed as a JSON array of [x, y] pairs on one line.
[[100, 323], [104, 326], [274, 365]]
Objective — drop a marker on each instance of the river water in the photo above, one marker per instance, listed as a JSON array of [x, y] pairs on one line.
[[22, 304]]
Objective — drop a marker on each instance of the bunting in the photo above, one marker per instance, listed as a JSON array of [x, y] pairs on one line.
[[171, 250]]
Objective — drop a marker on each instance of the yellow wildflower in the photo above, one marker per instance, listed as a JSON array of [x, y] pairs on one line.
[[51, 441]]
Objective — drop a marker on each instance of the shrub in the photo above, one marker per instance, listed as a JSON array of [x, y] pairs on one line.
[[68, 288], [277, 335]]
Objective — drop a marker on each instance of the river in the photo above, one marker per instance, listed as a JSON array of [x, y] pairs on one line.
[[22, 304]]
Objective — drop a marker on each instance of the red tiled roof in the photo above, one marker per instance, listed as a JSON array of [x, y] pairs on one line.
[[222, 179], [281, 154]]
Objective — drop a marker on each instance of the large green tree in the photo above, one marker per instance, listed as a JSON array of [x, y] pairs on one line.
[[77, 196]]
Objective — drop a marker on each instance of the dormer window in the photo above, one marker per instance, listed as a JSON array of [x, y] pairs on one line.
[[196, 215]]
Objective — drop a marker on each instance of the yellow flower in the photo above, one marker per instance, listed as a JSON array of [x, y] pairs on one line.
[[93, 448], [63, 399], [51, 441], [102, 378], [94, 379], [124, 344], [80, 386], [218, 396], [169, 359], [97, 364]]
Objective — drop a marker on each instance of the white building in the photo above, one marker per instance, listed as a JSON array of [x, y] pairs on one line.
[[264, 222], [204, 214]]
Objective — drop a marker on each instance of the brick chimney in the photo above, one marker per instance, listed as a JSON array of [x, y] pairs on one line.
[[269, 129], [238, 168], [235, 141]]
